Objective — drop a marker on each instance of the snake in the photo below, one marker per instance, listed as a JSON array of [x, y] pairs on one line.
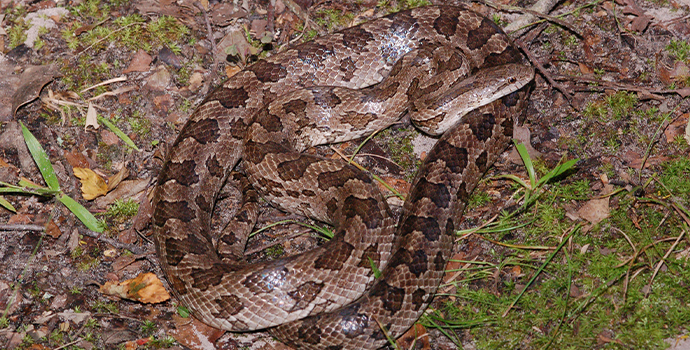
[[452, 70]]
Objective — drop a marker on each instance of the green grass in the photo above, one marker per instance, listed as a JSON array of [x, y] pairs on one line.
[[595, 291], [680, 49]]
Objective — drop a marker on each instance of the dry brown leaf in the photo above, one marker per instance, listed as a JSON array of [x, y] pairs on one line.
[[140, 62], [115, 180], [193, 334], [584, 69], [399, 185], [53, 230], [109, 138], [145, 288], [595, 210], [231, 70], [91, 117], [676, 128], [92, 185], [416, 335], [76, 159], [234, 44]]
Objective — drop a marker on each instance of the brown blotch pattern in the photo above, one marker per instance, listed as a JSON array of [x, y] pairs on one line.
[[313, 53], [356, 38], [214, 167], [262, 281], [294, 169], [268, 72], [229, 305], [418, 298], [304, 294], [296, 107], [427, 226], [204, 131], [446, 24], [437, 193], [335, 256], [230, 97], [477, 38], [338, 178], [366, 209], [173, 210], [348, 67], [325, 97], [392, 297], [184, 173]]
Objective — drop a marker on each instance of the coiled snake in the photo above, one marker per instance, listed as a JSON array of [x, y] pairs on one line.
[[434, 63]]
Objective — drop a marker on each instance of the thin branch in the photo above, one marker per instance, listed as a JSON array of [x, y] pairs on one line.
[[543, 71]]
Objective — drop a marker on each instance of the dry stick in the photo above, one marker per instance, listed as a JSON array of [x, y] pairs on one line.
[[210, 34], [610, 85], [533, 13], [661, 262], [20, 227], [132, 248], [543, 71]]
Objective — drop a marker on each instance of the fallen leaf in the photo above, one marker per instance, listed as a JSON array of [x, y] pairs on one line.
[[115, 180], [197, 80], [53, 230], [76, 317], [159, 80], [91, 117], [595, 210], [76, 159], [139, 63], [400, 185], [676, 128], [145, 288], [415, 338], [234, 44], [92, 185], [126, 189], [194, 334], [29, 86], [584, 69], [167, 56]]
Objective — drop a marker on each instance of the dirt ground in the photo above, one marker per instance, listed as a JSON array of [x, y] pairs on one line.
[[610, 90]]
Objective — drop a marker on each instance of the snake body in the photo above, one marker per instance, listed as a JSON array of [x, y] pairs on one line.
[[437, 63]]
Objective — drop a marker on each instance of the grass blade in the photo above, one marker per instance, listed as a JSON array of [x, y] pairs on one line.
[[41, 159], [522, 150], [118, 132], [7, 205], [80, 212], [557, 171]]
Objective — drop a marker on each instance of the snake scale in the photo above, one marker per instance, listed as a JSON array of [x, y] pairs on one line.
[[434, 63]]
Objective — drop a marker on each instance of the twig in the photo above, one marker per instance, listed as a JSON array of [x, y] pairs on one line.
[[210, 33], [132, 248], [543, 71], [533, 13], [610, 85], [661, 262], [69, 344], [20, 227]]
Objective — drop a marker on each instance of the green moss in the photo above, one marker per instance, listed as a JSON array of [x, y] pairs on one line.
[[333, 18], [680, 49], [122, 210]]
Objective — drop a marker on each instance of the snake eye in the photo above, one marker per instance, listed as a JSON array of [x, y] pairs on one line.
[[512, 80]]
